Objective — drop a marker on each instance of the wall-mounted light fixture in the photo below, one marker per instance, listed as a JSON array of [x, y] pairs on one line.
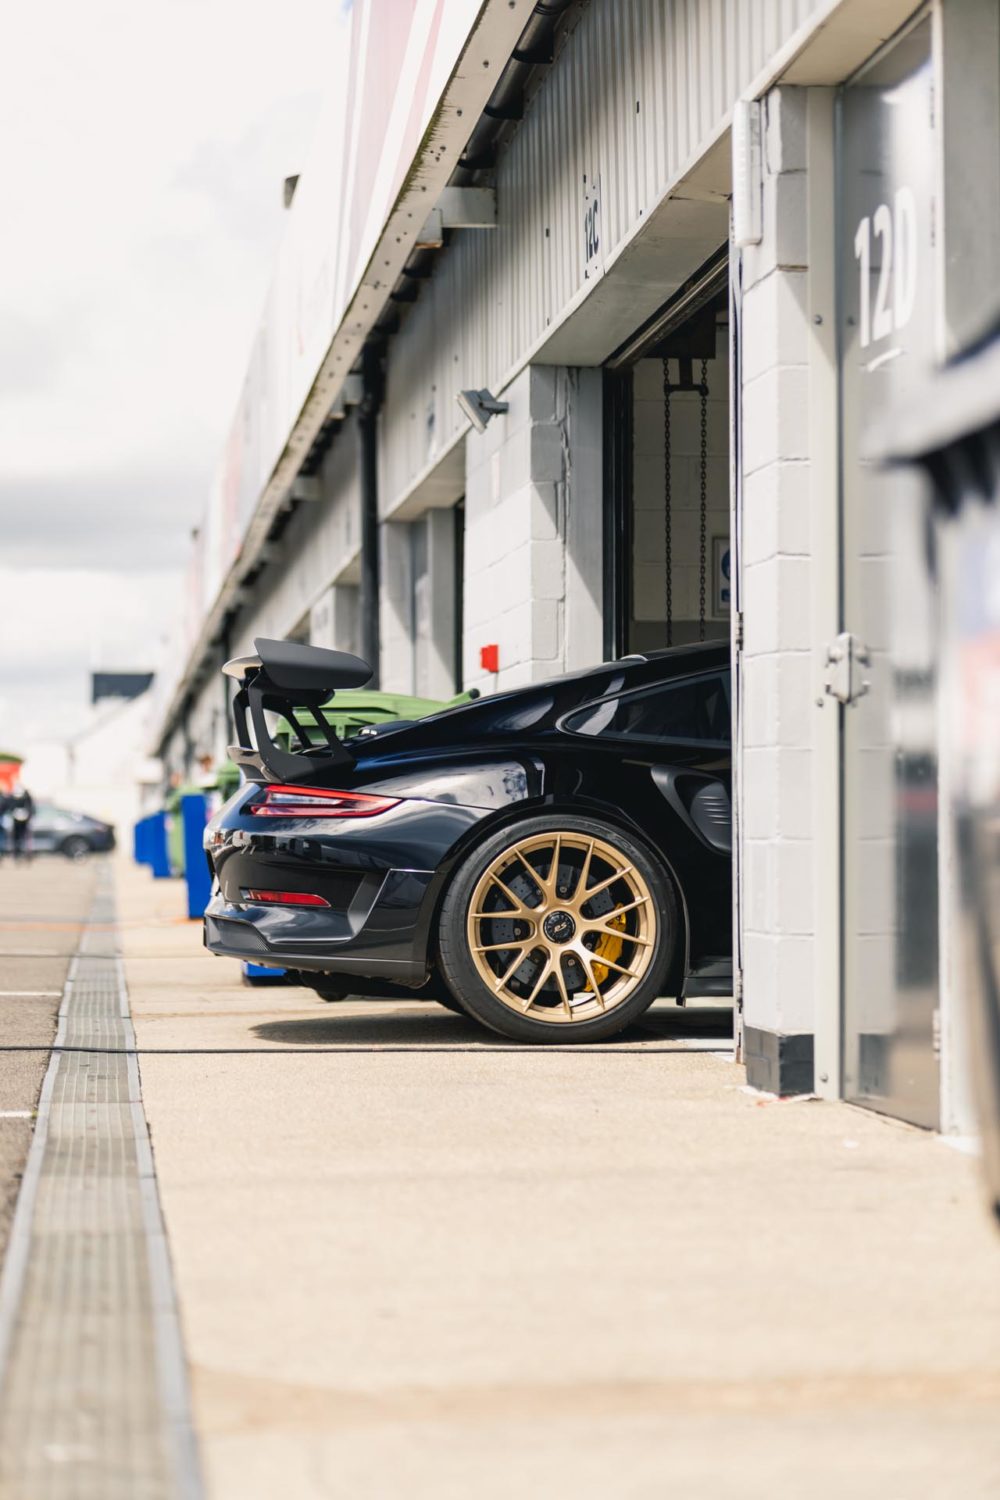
[[480, 406]]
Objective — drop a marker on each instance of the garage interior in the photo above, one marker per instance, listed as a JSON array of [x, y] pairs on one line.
[[667, 473]]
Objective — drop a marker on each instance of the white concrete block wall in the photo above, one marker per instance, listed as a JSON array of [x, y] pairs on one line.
[[533, 530], [434, 652], [334, 620], [779, 850], [396, 606], [417, 604], [584, 597]]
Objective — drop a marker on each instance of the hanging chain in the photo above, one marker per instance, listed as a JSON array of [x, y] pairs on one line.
[[668, 506], [703, 499]]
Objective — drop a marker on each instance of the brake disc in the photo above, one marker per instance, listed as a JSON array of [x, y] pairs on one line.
[[509, 929]]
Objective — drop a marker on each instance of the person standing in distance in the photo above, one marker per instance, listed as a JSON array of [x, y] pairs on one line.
[[5, 836], [21, 808]]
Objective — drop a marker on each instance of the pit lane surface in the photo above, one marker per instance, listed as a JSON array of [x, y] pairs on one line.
[[415, 1260]]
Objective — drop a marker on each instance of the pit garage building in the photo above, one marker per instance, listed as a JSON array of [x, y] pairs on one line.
[[694, 251]]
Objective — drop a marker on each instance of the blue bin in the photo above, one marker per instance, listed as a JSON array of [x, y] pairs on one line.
[[262, 973], [149, 844], [197, 875]]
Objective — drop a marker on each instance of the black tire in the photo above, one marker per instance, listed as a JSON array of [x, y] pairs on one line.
[[474, 996], [76, 848]]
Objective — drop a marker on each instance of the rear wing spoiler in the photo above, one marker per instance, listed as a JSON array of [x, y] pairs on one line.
[[280, 677]]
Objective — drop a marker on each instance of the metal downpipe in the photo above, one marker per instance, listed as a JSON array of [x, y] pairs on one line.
[[368, 475]]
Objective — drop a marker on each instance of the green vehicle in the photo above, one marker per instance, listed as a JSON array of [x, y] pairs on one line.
[[357, 708], [227, 779]]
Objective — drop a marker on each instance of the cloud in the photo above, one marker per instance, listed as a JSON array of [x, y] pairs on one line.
[[226, 176], [116, 520], [60, 624], [145, 148], [35, 351]]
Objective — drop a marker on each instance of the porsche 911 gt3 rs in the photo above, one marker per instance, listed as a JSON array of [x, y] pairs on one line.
[[548, 860]]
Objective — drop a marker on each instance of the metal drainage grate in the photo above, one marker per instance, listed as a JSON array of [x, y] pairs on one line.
[[93, 1385]]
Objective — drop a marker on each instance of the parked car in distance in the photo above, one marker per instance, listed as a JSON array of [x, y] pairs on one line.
[[549, 860], [55, 830]]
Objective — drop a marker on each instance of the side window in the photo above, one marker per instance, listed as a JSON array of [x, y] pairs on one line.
[[694, 709]]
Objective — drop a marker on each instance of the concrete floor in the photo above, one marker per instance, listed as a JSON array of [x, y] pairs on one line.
[[413, 1260], [43, 904]]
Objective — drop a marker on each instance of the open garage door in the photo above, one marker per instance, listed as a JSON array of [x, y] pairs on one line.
[[668, 442], [667, 480]]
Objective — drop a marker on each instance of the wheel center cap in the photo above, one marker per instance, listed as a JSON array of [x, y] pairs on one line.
[[559, 927]]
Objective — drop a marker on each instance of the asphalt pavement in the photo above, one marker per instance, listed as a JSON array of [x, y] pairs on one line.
[[43, 905]]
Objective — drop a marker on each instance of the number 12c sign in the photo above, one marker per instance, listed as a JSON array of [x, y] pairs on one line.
[[894, 230]]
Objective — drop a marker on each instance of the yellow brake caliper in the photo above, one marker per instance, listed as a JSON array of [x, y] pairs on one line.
[[609, 947]]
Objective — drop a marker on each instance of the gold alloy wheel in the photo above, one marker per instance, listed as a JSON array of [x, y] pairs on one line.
[[562, 927]]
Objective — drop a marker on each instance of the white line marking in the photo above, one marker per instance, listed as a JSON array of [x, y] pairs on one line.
[[16, 1114], [30, 994]]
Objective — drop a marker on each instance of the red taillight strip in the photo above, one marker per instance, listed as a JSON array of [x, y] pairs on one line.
[[318, 802], [285, 898]]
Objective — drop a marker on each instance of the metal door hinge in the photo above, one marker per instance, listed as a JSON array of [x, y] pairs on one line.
[[738, 631], [846, 661]]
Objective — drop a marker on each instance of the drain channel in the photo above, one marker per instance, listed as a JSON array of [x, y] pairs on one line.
[[94, 1400]]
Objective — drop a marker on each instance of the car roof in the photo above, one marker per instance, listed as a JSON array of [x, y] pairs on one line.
[[504, 713]]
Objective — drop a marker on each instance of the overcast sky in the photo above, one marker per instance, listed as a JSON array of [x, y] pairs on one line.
[[143, 148]]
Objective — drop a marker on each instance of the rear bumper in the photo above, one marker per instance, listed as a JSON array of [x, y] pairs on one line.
[[377, 936]]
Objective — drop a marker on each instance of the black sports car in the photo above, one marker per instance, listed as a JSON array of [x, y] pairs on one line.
[[549, 860]]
